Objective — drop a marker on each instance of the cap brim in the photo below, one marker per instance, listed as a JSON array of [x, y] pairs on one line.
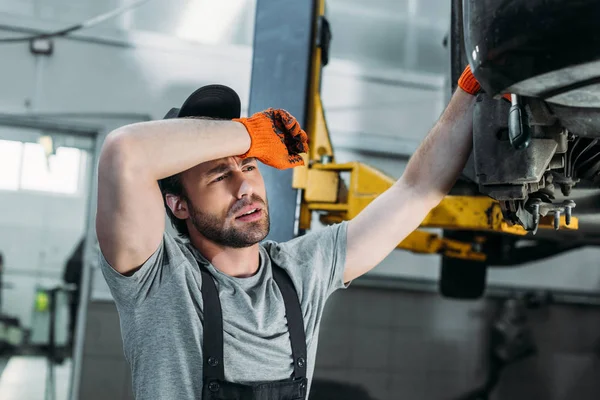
[[213, 101], [173, 113]]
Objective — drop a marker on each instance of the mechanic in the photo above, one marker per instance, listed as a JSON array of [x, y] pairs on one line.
[[219, 312]]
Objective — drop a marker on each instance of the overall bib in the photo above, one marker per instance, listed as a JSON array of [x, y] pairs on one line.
[[215, 387]]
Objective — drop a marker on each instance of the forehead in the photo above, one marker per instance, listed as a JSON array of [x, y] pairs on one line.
[[217, 166], [205, 167]]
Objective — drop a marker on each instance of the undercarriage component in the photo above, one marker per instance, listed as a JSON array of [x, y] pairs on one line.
[[482, 214], [496, 161], [538, 208], [547, 49], [584, 121], [524, 173], [546, 54], [519, 132]]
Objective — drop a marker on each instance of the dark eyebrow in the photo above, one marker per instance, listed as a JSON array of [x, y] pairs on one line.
[[219, 169], [247, 161], [224, 167]]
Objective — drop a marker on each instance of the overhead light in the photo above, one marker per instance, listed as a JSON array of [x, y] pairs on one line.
[[209, 21], [41, 46]]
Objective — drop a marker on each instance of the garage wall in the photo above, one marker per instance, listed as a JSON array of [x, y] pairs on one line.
[[416, 346]]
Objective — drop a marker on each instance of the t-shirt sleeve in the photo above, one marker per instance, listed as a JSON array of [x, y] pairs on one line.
[[317, 259], [130, 290]]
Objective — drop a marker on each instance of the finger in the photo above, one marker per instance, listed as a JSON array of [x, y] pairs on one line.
[[284, 114], [279, 129], [296, 145], [296, 159], [269, 113], [305, 147], [288, 119], [303, 136], [294, 128], [292, 123]]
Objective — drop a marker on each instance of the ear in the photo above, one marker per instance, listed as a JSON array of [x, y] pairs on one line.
[[178, 206]]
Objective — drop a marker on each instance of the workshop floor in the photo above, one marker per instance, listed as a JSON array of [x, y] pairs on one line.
[[24, 378]]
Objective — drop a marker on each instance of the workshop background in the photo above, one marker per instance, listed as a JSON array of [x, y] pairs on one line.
[[389, 336]]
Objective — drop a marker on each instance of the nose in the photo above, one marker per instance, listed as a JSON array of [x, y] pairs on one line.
[[244, 188]]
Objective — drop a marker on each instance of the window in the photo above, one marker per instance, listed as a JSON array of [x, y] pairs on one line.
[[10, 164], [24, 166]]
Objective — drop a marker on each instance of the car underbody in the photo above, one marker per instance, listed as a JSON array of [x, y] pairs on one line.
[[538, 155]]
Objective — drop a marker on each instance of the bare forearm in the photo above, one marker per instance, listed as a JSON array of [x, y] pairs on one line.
[[164, 148], [438, 162], [429, 176]]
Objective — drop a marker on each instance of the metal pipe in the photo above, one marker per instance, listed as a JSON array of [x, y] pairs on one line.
[[86, 283]]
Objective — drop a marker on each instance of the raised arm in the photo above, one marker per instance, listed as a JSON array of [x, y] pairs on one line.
[[130, 219], [429, 176]]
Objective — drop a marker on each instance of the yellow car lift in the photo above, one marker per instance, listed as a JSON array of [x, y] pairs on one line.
[[324, 190]]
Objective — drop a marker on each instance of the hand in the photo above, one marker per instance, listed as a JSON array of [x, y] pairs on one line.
[[469, 83], [276, 138]]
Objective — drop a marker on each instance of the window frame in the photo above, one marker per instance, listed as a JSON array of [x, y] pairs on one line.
[[82, 167]]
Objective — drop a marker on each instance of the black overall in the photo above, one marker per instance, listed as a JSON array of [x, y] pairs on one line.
[[215, 387]]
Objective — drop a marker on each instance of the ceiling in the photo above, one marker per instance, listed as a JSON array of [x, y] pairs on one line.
[[403, 34]]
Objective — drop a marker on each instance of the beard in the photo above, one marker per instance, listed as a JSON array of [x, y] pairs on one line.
[[215, 229]]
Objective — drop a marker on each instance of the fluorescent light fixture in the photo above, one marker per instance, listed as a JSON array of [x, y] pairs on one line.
[[209, 21]]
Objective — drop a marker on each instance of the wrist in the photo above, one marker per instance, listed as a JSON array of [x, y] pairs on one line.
[[468, 82], [242, 136], [254, 128]]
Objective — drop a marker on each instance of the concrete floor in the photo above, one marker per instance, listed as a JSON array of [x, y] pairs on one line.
[[24, 378]]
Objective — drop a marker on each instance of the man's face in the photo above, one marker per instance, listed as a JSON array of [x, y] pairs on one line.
[[226, 201]]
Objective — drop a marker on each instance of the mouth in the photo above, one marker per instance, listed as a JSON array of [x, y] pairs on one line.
[[250, 214]]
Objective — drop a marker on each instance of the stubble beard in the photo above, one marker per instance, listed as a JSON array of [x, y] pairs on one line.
[[235, 235]]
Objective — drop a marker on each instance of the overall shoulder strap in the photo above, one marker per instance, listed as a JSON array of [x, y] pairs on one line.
[[294, 319], [212, 341]]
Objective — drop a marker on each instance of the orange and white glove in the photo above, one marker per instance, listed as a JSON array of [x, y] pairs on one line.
[[276, 138], [469, 83]]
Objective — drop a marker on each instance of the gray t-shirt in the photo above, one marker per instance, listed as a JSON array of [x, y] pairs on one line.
[[160, 309]]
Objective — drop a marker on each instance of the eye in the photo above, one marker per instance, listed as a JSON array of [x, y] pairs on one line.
[[220, 178], [250, 168]]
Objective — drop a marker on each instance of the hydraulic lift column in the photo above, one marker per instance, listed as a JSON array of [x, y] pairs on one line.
[[283, 44]]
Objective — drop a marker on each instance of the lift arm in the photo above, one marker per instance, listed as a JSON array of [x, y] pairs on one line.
[[340, 192]]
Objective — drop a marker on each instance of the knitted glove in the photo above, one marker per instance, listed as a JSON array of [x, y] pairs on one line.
[[276, 138], [469, 83]]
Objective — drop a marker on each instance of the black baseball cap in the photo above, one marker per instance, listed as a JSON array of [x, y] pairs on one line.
[[212, 101]]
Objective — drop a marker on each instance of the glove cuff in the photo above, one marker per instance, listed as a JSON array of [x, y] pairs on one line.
[[468, 82], [260, 130]]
